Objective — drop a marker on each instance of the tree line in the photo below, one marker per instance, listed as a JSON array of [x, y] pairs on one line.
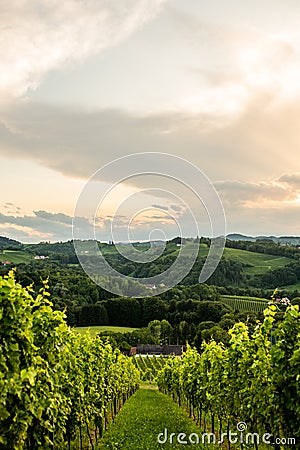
[[266, 246]]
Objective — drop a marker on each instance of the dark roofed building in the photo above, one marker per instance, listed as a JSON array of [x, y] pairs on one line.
[[149, 349]]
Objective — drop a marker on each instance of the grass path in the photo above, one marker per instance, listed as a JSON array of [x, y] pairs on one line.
[[146, 414]]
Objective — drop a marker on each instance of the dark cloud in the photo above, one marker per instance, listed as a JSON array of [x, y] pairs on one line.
[[35, 222], [278, 220], [261, 141], [164, 208], [116, 216], [58, 217], [176, 208], [76, 143], [19, 235], [292, 179], [40, 225], [158, 217], [11, 208], [241, 193]]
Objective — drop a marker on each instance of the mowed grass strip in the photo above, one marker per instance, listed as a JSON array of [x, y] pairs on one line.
[[146, 414], [93, 330]]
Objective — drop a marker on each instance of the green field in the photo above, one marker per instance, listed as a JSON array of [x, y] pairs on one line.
[[143, 417], [16, 256], [98, 329], [245, 304], [258, 263]]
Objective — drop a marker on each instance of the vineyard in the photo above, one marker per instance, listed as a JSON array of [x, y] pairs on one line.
[[255, 380], [57, 387], [60, 389], [149, 366], [245, 304]]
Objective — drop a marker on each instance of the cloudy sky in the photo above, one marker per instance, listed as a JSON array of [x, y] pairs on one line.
[[83, 82]]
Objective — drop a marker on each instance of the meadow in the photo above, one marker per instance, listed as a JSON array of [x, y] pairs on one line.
[[256, 263], [16, 256], [103, 328]]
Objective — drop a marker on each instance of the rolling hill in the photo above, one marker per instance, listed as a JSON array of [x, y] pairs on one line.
[[251, 263]]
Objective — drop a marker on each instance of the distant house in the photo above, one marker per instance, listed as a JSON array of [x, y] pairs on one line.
[[153, 286], [132, 351], [149, 349], [6, 263], [41, 257], [150, 286]]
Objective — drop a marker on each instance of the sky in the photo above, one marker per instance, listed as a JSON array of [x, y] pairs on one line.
[[84, 82]]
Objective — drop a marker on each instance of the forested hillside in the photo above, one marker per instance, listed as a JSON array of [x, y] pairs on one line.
[[247, 271], [245, 264]]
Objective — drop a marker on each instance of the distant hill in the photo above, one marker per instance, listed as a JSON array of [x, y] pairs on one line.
[[67, 247], [258, 263], [292, 240], [10, 244]]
